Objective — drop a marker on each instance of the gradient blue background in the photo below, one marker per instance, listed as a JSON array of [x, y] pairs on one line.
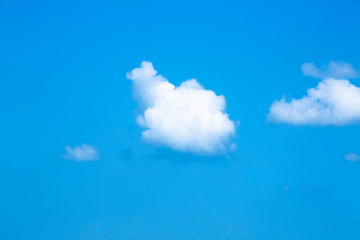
[[62, 82]]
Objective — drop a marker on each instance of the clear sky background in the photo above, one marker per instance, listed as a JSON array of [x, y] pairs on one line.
[[63, 68]]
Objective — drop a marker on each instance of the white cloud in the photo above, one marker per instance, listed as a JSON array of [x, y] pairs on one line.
[[352, 157], [81, 153], [185, 118], [336, 70], [332, 102]]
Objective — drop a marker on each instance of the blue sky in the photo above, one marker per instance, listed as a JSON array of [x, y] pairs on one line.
[[63, 84]]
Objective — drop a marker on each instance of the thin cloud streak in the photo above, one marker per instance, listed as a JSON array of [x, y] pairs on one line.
[[81, 153]]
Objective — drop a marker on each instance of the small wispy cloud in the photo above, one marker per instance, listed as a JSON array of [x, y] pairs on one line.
[[335, 69], [81, 153], [332, 102], [304, 189], [352, 157]]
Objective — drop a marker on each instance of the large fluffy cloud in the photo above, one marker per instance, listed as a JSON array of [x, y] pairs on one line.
[[332, 102], [185, 118]]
